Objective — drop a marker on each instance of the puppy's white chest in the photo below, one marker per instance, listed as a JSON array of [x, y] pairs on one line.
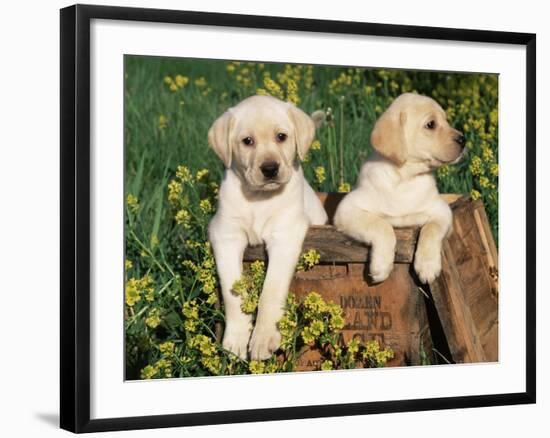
[[408, 220], [259, 221], [254, 232]]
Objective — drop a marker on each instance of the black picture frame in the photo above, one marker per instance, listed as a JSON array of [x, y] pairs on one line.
[[75, 216]]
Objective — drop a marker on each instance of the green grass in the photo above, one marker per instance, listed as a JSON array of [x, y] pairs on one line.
[[166, 126]]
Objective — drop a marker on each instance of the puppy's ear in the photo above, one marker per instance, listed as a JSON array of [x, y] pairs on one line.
[[388, 136], [219, 137], [319, 118], [304, 130]]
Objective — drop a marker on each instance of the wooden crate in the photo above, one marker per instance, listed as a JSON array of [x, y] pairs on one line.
[[455, 317]]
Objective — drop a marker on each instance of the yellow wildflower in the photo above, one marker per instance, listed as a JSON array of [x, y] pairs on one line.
[[344, 187], [184, 174], [383, 356], [153, 319], [376, 357], [443, 171], [191, 312], [164, 366], [175, 189], [167, 348], [132, 292], [202, 343], [273, 88], [311, 332], [320, 174], [256, 367], [353, 346], [201, 174], [190, 325], [487, 154], [212, 363], [249, 286], [484, 182], [314, 303], [190, 309], [336, 321], [183, 218], [287, 326], [148, 372], [162, 122], [292, 92], [135, 287], [476, 166], [181, 81], [190, 263], [308, 260], [205, 206], [132, 203], [200, 82]]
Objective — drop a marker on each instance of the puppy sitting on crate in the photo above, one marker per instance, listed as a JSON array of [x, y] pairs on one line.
[[263, 198], [396, 186]]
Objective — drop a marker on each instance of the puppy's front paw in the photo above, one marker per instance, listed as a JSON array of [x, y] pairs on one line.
[[264, 341], [235, 338], [427, 265], [381, 267]]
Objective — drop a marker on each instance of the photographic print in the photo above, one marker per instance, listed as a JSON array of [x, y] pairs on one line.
[[344, 226], [293, 217]]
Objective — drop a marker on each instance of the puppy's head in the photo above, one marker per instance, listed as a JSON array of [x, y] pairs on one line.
[[415, 128], [260, 138]]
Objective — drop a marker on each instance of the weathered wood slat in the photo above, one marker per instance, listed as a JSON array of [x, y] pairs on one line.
[[335, 247], [454, 312], [475, 260]]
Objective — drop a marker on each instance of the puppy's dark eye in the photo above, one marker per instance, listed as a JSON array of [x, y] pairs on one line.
[[430, 124], [281, 137], [249, 141]]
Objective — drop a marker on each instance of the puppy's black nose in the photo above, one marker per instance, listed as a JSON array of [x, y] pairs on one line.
[[270, 169], [461, 140]]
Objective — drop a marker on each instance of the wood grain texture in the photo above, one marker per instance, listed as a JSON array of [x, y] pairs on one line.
[[335, 247], [454, 312], [392, 312], [475, 261]]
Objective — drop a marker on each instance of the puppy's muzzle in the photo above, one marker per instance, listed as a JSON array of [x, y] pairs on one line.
[[461, 140], [270, 169]]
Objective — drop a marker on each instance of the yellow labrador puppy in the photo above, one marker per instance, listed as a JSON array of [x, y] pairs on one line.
[[264, 198], [396, 187]]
